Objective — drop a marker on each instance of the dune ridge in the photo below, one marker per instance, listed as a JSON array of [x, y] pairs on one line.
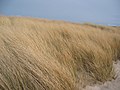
[[38, 54]]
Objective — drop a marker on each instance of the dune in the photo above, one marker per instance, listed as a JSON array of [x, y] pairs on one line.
[[41, 54]]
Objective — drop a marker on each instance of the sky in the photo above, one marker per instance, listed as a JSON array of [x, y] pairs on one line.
[[106, 12]]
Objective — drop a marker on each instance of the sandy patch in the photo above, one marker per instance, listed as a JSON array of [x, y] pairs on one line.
[[109, 85]]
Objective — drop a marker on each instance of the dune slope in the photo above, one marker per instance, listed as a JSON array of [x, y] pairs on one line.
[[39, 54]]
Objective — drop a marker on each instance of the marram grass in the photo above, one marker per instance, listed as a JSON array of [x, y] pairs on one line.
[[38, 54]]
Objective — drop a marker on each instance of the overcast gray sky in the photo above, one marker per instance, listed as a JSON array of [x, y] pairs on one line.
[[96, 11]]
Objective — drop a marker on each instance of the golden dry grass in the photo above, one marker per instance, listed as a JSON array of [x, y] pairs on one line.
[[38, 54]]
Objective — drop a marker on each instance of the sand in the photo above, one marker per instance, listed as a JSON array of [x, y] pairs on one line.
[[109, 85]]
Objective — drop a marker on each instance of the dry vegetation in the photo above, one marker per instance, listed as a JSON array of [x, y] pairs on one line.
[[38, 54]]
